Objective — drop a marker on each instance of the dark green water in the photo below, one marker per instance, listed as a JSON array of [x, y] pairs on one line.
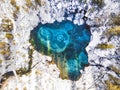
[[65, 42]]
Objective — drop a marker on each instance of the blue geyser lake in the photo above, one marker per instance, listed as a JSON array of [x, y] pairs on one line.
[[65, 42]]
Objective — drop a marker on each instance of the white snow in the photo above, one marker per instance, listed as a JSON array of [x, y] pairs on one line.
[[43, 76]]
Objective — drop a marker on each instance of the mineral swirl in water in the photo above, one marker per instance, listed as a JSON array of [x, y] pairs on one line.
[[65, 42]]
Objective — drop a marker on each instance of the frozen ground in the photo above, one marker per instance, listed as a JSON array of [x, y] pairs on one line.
[[23, 68]]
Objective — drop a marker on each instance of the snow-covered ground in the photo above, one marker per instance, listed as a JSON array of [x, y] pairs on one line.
[[19, 17]]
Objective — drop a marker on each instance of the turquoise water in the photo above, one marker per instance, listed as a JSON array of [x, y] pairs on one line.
[[65, 42]]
